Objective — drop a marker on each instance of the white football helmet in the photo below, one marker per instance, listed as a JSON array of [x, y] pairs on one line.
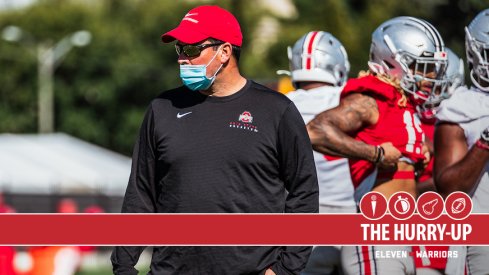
[[455, 76], [319, 56], [477, 49], [455, 72], [412, 51]]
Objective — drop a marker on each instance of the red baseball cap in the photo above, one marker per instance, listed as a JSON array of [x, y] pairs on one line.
[[206, 22]]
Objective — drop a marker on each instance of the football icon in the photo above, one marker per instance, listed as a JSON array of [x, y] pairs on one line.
[[458, 205]]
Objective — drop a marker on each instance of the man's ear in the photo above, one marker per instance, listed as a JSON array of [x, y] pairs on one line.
[[227, 52]]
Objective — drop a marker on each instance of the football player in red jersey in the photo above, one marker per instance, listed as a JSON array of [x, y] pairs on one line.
[[376, 126]]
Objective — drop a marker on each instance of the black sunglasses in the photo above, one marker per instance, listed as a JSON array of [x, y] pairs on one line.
[[193, 50]]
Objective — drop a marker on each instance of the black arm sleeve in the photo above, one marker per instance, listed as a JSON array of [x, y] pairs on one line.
[[299, 174], [124, 258], [297, 167], [141, 193]]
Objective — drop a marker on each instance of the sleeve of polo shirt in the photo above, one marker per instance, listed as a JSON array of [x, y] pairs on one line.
[[298, 172], [141, 192]]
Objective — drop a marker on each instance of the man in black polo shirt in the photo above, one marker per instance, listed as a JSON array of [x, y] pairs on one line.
[[219, 144]]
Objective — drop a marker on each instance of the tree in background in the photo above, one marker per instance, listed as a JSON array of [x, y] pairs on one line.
[[102, 90]]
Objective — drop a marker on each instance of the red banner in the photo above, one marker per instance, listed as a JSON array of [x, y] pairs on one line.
[[238, 229]]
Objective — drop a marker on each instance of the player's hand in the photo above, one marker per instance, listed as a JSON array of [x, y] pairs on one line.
[[419, 167], [269, 272], [391, 155]]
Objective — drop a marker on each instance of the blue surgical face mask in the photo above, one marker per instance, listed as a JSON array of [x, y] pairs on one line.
[[195, 76]]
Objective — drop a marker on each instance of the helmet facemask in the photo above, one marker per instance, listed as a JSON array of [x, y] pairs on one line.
[[478, 59], [455, 77], [425, 80]]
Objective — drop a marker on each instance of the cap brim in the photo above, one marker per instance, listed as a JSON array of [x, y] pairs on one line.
[[183, 34]]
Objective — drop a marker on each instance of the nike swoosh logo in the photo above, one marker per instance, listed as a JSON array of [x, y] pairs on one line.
[[187, 17], [182, 115], [191, 20]]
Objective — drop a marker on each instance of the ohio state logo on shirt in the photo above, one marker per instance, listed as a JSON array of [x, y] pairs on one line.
[[244, 122], [246, 117]]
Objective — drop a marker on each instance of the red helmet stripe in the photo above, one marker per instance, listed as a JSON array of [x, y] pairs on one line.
[[309, 50]]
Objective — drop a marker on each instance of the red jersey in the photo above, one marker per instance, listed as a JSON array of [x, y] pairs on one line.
[[429, 130], [396, 124]]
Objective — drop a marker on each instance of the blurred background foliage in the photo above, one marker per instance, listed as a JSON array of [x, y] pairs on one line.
[[103, 89]]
